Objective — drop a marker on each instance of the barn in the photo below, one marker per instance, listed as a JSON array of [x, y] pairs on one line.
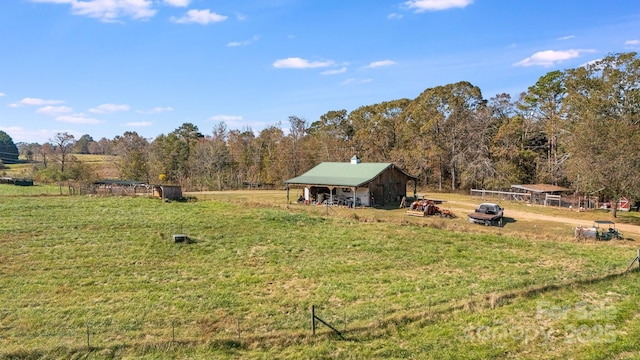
[[352, 184]]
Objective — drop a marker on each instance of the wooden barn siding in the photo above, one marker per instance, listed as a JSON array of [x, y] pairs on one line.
[[388, 186]]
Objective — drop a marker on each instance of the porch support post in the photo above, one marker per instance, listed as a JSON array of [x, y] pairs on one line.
[[355, 190]]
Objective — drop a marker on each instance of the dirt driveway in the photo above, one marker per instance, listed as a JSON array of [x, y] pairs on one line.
[[524, 215]]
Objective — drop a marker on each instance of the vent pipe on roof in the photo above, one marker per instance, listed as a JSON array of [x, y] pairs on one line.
[[355, 159]]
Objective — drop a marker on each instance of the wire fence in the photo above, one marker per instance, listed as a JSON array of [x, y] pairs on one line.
[[500, 195], [22, 328], [36, 190], [18, 327], [546, 199], [68, 189]]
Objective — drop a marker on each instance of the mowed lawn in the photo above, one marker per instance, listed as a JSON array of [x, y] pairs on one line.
[[92, 277]]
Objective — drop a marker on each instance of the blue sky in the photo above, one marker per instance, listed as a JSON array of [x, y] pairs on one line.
[[103, 67]]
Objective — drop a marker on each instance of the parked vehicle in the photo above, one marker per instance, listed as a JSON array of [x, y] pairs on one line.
[[601, 230], [489, 214]]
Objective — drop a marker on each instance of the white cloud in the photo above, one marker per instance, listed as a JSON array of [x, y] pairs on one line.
[[35, 102], [202, 17], [632, 42], [78, 119], [226, 118], [568, 37], [377, 64], [243, 43], [108, 108], [108, 10], [335, 71], [19, 134], [353, 81], [591, 62], [155, 110], [139, 124], [232, 121], [550, 58], [436, 5], [394, 16], [2, 94], [177, 3], [298, 63], [53, 110]]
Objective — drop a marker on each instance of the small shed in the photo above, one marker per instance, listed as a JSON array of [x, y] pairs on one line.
[[544, 194], [352, 184], [168, 192]]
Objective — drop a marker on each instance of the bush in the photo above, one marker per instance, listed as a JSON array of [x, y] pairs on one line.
[[49, 175]]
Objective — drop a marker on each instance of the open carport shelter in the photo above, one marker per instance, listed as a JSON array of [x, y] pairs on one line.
[[352, 184]]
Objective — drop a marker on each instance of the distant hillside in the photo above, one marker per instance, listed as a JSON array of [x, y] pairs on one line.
[[104, 165]]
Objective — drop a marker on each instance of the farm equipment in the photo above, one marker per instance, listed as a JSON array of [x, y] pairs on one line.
[[424, 207], [601, 230], [487, 214]]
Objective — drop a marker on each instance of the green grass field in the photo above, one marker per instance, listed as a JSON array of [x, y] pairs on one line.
[[101, 278], [36, 190]]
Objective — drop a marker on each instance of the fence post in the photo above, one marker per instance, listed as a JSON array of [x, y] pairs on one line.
[[313, 319], [637, 258], [313, 323], [345, 320]]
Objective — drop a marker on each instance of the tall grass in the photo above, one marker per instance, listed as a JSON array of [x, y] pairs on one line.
[[107, 270]]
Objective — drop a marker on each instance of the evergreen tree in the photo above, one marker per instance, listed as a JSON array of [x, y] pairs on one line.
[[8, 150]]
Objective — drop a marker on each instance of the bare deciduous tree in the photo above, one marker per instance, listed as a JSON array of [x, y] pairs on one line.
[[63, 144]]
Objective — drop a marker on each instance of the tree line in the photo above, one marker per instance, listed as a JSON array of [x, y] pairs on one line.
[[576, 128]]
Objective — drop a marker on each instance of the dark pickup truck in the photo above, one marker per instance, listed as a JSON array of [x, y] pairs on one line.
[[487, 214]]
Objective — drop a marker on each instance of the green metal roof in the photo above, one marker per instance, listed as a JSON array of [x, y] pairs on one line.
[[342, 174]]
